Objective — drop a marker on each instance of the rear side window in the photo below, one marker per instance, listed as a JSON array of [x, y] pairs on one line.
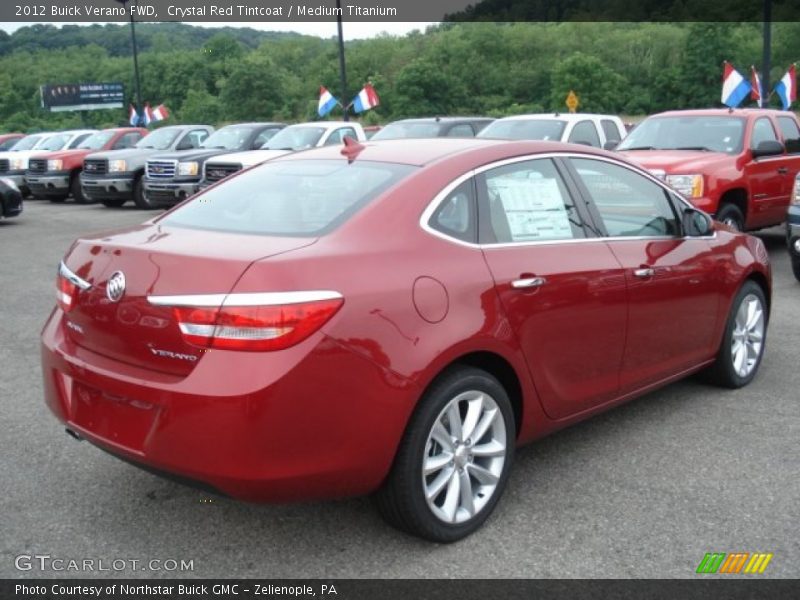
[[611, 131], [630, 204], [293, 198], [455, 216], [791, 134], [526, 202], [585, 133]]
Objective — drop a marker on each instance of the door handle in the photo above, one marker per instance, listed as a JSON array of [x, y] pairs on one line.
[[528, 282], [644, 272], [783, 170]]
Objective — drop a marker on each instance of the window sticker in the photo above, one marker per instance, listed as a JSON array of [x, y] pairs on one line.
[[534, 208]]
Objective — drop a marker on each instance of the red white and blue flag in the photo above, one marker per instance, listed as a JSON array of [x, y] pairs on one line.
[[133, 119], [366, 99], [148, 115], [757, 93], [326, 102], [735, 88], [786, 88], [159, 113]]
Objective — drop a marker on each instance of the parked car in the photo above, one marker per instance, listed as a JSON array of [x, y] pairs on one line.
[[173, 177], [286, 335], [432, 127], [737, 165], [116, 176], [793, 228], [10, 199], [294, 138], [7, 140], [598, 131], [56, 175], [14, 162], [371, 130]]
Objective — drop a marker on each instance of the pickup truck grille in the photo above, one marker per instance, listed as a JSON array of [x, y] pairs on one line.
[[219, 171], [37, 165], [95, 166], [161, 169], [4, 165]]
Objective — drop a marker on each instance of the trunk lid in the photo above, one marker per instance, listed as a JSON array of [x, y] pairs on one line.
[[156, 261]]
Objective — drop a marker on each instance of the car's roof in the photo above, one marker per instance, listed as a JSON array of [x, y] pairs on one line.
[[441, 120], [556, 115], [411, 152], [265, 124], [325, 124], [721, 112]]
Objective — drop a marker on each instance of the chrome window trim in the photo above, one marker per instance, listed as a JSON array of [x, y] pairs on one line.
[[434, 204], [245, 299], [64, 272]]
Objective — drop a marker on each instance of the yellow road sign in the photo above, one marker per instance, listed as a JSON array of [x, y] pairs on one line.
[[572, 101]]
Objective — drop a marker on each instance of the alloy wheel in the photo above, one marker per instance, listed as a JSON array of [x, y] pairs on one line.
[[748, 335]]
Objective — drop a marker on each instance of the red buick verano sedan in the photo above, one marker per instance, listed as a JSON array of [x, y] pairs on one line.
[[395, 318]]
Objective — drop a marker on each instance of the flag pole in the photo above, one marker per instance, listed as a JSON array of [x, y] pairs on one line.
[[342, 68], [767, 49]]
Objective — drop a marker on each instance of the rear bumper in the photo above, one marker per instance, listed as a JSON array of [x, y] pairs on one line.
[[314, 421], [169, 193], [48, 184], [110, 188]]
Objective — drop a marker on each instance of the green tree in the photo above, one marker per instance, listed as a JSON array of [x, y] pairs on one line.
[[599, 88]]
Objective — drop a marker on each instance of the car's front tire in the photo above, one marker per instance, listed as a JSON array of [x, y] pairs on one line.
[[732, 216], [744, 339], [454, 459]]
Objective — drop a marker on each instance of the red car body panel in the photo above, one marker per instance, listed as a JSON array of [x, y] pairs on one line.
[[324, 418], [767, 182]]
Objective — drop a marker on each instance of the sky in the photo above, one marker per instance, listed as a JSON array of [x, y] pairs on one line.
[[327, 29]]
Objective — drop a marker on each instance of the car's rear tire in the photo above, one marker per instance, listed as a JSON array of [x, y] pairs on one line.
[[114, 202], [445, 482], [76, 190], [139, 197], [732, 216], [796, 267], [744, 339]]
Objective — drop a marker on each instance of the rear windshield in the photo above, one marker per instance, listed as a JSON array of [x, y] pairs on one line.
[[297, 198], [396, 131], [518, 129]]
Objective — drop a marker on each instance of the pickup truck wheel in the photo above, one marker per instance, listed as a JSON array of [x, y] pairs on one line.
[[114, 202], [77, 192], [796, 267], [742, 346], [139, 198], [731, 216]]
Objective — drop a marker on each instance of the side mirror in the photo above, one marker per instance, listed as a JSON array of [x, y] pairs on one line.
[[696, 223], [610, 145], [768, 148]]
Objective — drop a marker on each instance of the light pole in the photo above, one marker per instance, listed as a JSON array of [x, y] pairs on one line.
[[137, 81], [767, 50], [342, 68]]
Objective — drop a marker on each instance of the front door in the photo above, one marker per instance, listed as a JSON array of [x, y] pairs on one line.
[[767, 176]]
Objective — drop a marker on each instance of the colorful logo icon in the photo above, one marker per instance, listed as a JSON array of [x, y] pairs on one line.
[[734, 563]]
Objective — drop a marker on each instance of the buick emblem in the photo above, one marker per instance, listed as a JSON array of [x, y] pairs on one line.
[[115, 288]]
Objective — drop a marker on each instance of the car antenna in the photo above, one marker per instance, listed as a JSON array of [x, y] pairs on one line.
[[351, 149]]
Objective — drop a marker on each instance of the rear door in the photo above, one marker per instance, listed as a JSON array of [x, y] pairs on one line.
[[564, 292], [791, 140], [674, 287]]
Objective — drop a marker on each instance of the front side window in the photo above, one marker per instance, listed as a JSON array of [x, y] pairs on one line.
[[762, 132], [455, 216], [585, 133], [610, 130], [295, 198], [527, 202], [629, 204]]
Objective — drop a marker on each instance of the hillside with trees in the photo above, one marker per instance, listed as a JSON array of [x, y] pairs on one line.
[[215, 75]]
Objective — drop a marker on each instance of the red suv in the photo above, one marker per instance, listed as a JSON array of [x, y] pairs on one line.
[[738, 165], [395, 318]]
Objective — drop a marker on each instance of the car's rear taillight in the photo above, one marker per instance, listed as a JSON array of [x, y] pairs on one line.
[[252, 322], [68, 285]]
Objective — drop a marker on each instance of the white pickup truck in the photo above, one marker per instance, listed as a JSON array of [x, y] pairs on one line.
[[293, 138], [599, 131]]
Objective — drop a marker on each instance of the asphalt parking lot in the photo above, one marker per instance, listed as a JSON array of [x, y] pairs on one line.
[[642, 491]]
